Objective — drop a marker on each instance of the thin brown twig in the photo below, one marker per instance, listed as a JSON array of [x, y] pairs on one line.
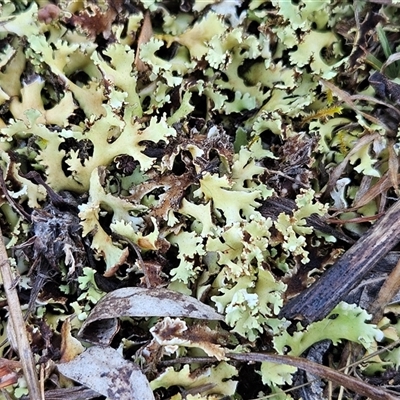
[[357, 220], [351, 383], [354, 384], [18, 325], [17, 208], [354, 364]]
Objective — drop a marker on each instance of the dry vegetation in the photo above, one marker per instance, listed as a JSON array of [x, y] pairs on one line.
[[188, 189]]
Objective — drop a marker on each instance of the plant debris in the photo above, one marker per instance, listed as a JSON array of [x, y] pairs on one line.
[[179, 179]]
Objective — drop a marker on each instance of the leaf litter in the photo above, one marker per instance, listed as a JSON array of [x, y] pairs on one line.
[[174, 174]]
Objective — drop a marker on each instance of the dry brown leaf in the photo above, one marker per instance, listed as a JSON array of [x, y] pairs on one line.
[[8, 372], [70, 347], [145, 34], [383, 184], [102, 324], [172, 333], [108, 373], [174, 189], [94, 21]]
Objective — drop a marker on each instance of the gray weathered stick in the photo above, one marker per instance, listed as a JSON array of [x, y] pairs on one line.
[[320, 298], [18, 325]]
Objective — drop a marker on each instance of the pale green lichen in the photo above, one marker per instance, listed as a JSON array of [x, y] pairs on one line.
[[220, 378], [175, 156], [121, 210], [345, 322], [249, 302]]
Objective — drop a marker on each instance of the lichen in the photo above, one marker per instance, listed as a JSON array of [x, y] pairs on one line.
[[171, 141]]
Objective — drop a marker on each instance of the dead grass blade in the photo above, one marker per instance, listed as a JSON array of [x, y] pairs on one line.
[[381, 186], [349, 100], [371, 99], [386, 293], [18, 325], [393, 167], [337, 172], [378, 188], [390, 60], [145, 34]]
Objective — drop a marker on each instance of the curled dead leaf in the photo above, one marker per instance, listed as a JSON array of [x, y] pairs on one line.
[[102, 324], [70, 347], [172, 333], [94, 20]]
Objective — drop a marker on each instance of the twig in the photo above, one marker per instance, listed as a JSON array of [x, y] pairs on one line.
[[17, 208], [354, 384], [72, 393], [18, 325], [320, 298], [351, 383]]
